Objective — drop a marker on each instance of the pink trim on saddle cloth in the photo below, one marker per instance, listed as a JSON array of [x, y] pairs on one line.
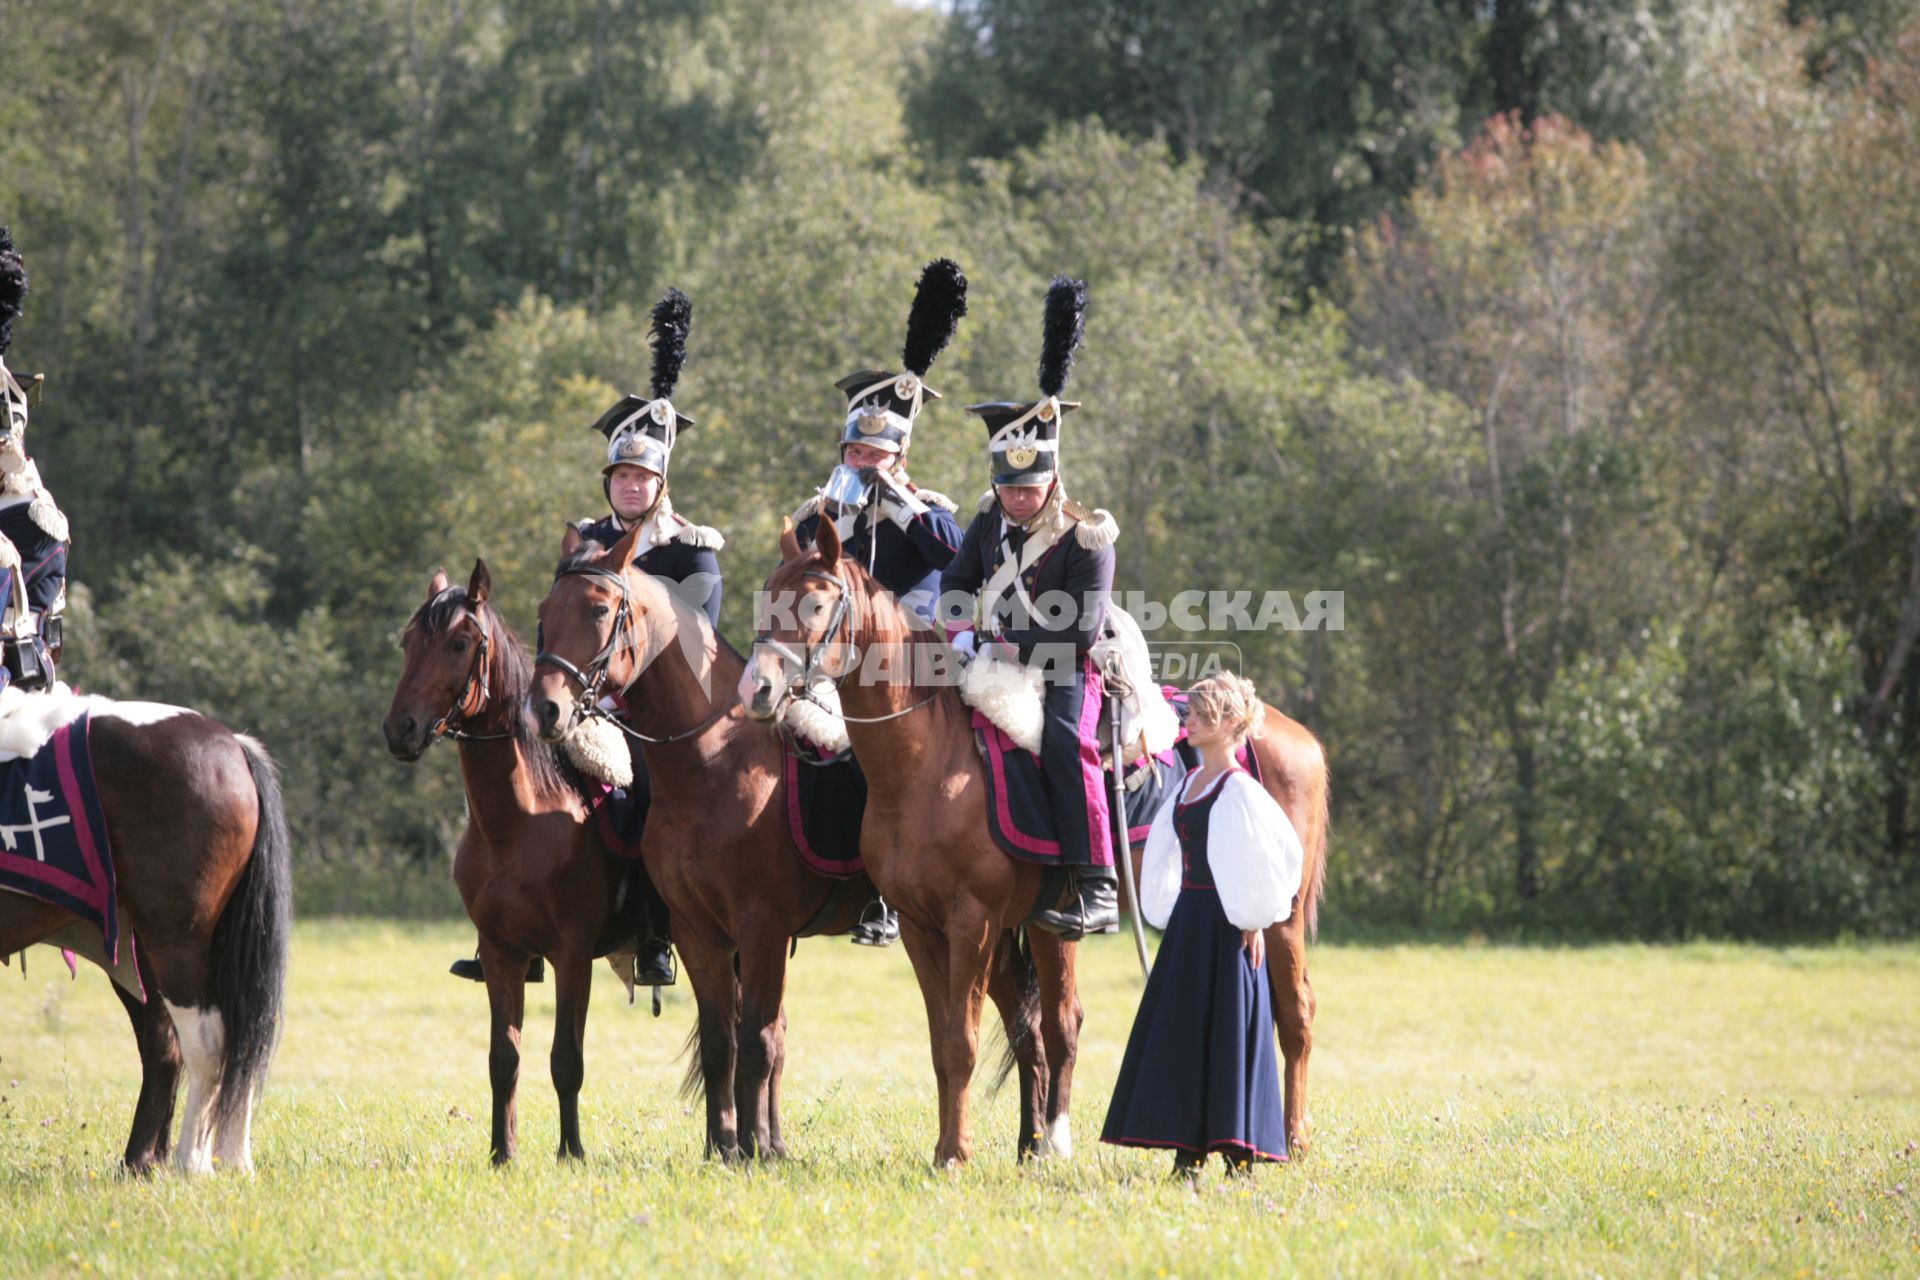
[[998, 744], [601, 807], [797, 827], [94, 893], [1093, 779]]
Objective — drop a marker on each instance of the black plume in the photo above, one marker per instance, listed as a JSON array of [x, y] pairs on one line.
[[938, 304], [13, 288], [1066, 321], [672, 318]]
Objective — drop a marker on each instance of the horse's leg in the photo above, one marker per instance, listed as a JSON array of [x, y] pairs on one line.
[[929, 959], [160, 1062], [970, 939], [1293, 1009], [1017, 999], [763, 981], [776, 1144], [1060, 1019], [203, 1043], [709, 965], [506, 971], [573, 986]]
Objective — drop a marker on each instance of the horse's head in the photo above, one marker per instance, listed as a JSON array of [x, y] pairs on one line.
[[804, 631], [448, 653], [601, 625]]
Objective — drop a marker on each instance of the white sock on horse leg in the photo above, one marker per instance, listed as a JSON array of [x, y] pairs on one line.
[[203, 1045], [1060, 1136]]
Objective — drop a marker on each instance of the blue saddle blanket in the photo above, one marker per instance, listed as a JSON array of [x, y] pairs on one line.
[[826, 798], [53, 833]]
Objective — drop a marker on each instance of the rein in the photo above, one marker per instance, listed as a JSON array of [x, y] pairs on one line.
[[593, 679], [476, 677], [809, 662]]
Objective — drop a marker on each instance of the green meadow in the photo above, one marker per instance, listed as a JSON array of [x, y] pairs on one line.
[[1604, 1111]]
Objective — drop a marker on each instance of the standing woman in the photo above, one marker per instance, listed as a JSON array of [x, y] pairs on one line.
[[1222, 864]]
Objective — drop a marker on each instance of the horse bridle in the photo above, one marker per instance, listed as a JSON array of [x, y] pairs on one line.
[[477, 677], [809, 662], [593, 679]]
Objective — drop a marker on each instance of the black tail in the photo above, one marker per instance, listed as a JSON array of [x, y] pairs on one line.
[[1014, 951], [693, 1079], [250, 945]]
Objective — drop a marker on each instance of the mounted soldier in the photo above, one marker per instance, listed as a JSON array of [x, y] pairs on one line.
[[33, 531], [641, 432], [1026, 596], [900, 533]]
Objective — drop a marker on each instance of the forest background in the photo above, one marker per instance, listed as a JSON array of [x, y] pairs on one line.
[[1577, 342]]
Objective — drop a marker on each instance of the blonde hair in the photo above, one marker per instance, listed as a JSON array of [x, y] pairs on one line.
[[1230, 700]]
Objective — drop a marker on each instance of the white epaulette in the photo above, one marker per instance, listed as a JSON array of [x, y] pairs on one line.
[[935, 499], [48, 516], [810, 507], [704, 536], [1094, 527]]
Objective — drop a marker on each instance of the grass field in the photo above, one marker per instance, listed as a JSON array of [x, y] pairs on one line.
[[1691, 1111]]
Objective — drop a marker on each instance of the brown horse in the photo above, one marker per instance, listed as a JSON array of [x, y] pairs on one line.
[[717, 843], [203, 870], [531, 867], [926, 842]]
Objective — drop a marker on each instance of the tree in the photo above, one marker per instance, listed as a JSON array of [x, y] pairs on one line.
[[1519, 282]]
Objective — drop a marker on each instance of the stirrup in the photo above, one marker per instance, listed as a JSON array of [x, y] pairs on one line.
[[468, 967], [656, 969], [878, 926]]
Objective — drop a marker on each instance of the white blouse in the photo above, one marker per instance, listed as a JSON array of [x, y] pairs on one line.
[[1252, 849]]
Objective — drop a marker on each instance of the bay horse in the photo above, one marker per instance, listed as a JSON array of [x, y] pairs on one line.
[[717, 843], [203, 872], [531, 867], [926, 841]]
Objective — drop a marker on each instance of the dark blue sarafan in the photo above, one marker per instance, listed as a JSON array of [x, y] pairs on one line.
[[1201, 1072]]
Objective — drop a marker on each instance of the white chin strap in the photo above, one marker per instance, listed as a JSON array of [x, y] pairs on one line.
[[15, 397]]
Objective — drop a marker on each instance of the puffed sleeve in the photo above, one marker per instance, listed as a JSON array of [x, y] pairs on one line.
[[1160, 866], [1255, 854]]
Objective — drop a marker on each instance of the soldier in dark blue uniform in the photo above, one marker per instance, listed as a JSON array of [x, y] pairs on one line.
[[900, 533], [1030, 586], [640, 436], [33, 531], [641, 433]]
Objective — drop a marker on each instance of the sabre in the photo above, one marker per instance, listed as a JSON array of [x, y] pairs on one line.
[[1123, 852]]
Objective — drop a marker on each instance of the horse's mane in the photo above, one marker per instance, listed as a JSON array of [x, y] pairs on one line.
[[509, 678]]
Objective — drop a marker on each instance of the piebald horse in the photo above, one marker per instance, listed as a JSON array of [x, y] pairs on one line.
[[203, 869], [926, 842]]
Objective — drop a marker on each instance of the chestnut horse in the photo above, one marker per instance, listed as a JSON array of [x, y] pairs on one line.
[[203, 870], [925, 838], [531, 867], [717, 843]]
